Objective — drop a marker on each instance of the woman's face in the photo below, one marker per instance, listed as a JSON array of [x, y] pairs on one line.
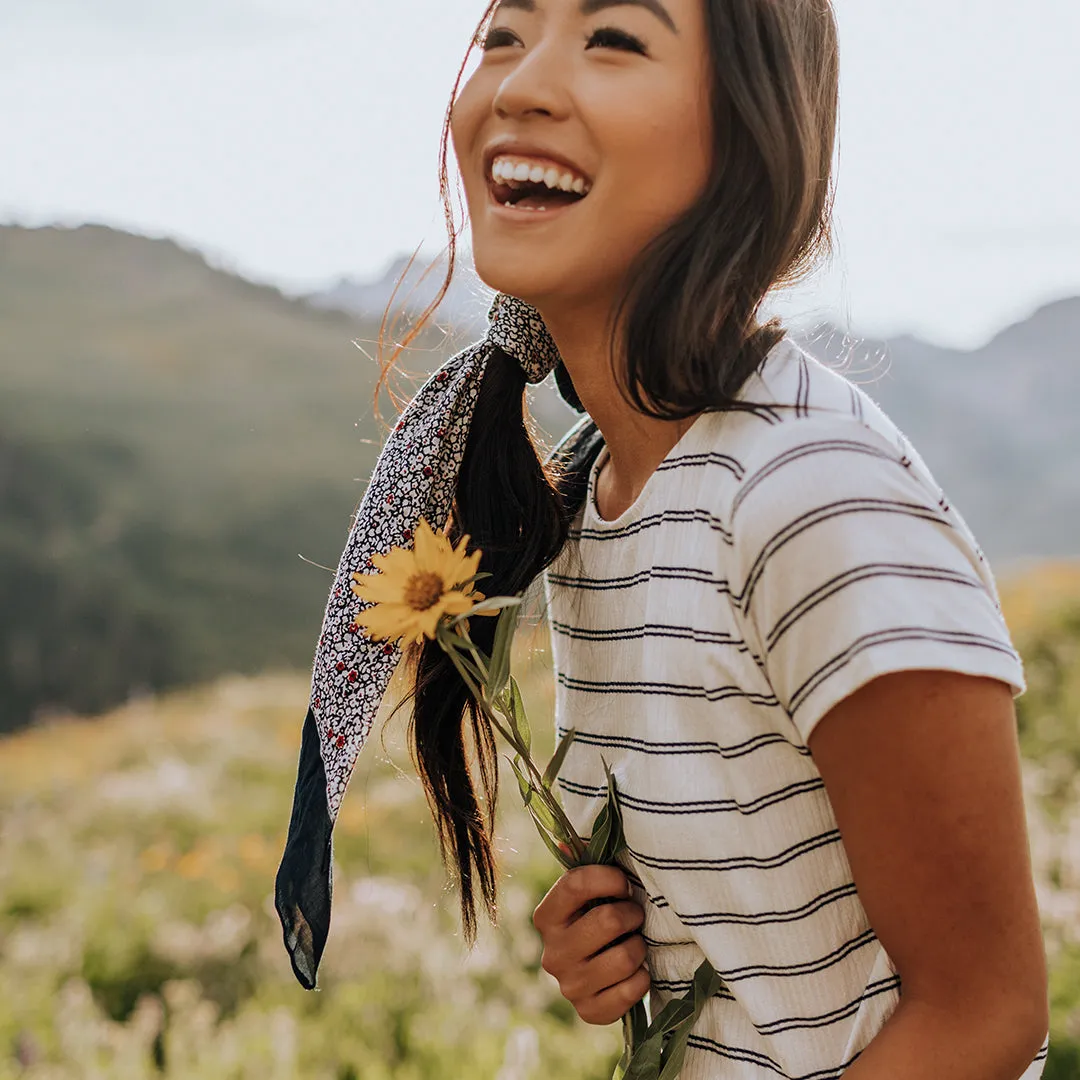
[[618, 89]]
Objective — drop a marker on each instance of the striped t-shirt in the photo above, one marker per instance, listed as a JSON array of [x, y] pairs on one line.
[[774, 562]]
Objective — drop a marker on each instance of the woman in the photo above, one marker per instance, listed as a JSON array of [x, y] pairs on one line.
[[765, 614]]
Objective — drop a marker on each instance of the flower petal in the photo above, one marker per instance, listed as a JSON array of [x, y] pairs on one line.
[[428, 621], [397, 562], [455, 602], [377, 588], [386, 621], [427, 547]]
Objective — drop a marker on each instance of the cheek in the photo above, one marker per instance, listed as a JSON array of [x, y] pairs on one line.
[[659, 167], [465, 119]]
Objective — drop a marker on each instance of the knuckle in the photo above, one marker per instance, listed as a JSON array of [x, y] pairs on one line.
[[629, 960], [642, 984], [547, 962], [637, 949], [609, 921], [572, 989], [589, 1013], [576, 885]]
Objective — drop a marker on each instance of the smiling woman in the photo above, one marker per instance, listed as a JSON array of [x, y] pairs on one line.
[[766, 615]]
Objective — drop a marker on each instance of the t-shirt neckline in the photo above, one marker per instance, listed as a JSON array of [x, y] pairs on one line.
[[633, 511]]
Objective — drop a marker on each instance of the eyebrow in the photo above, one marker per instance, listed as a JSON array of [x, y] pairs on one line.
[[591, 7]]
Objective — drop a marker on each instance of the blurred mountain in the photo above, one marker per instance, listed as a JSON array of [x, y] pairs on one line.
[[997, 425], [464, 307], [176, 441]]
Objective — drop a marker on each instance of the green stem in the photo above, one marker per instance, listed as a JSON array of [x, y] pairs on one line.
[[540, 790]]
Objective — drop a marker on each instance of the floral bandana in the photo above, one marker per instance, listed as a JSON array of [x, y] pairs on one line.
[[415, 476]]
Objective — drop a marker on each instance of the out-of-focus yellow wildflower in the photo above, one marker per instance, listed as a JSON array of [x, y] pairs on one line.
[[416, 588]]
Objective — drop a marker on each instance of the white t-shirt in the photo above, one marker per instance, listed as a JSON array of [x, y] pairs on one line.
[[771, 566]]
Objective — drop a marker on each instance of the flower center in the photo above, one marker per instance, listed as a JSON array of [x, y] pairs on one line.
[[423, 591]]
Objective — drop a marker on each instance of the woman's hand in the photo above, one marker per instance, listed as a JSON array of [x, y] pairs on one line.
[[591, 944]]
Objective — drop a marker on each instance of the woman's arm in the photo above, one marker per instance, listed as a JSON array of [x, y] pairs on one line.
[[922, 769]]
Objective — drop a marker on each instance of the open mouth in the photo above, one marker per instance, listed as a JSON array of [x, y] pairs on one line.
[[527, 195]]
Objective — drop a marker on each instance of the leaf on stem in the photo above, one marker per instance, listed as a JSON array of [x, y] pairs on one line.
[[557, 759], [499, 668], [517, 716]]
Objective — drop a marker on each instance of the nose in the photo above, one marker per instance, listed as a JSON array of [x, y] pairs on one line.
[[537, 83]]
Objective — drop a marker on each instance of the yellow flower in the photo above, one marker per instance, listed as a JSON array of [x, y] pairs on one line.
[[417, 588]]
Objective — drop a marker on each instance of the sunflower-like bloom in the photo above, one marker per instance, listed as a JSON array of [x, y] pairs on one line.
[[416, 588]]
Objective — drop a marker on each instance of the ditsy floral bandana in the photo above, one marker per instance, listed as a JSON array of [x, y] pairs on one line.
[[415, 476]]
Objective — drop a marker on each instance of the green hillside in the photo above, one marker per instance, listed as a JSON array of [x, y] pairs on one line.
[[172, 439]]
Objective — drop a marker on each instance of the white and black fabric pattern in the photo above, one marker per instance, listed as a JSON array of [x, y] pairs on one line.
[[415, 476]]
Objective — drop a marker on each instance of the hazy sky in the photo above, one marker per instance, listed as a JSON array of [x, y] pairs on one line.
[[297, 140]]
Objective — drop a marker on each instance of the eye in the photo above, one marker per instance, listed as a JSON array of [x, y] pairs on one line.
[[604, 35], [494, 38], [619, 38]]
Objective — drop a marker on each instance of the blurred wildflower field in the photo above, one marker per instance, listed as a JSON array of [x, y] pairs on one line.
[[138, 937]]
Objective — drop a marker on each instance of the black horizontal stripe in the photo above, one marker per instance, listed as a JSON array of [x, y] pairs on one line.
[[885, 637], [699, 575], [808, 967], [698, 806], [611, 686], [678, 987], [762, 918], [738, 1053], [797, 453], [739, 862], [645, 746], [818, 516], [802, 1023], [864, 572], [672, 516], [646, 630], [704, 457]]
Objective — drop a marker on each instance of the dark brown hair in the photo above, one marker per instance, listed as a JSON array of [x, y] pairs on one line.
[[690, 323]]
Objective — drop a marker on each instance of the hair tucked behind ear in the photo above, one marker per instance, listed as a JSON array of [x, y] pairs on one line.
[[689, 340]]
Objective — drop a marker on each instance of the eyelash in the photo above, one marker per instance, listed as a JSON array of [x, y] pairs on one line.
[[618, 35]]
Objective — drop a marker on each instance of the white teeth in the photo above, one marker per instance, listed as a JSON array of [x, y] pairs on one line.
[[504, 170]]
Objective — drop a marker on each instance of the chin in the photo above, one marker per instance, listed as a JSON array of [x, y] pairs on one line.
[[525, 285], [533, 284]]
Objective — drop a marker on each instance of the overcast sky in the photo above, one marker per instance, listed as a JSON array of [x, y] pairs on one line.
[[297, 140]]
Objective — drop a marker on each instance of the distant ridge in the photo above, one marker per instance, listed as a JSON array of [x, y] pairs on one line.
[[179, 445]]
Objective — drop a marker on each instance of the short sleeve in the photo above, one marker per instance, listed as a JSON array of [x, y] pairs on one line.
[[848, 565]]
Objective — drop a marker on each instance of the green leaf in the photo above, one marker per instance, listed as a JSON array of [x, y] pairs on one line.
[[552, 846], [616, 839], [492, 603], [556, 762], [645, 1064], [705, 984], [607, 840], [596, 850], [639, 1023], [473, 580], [499, 667], [543, 812], [523, 781], [518, 717]]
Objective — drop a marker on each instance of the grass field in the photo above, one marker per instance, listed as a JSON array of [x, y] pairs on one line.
[[137, 855]]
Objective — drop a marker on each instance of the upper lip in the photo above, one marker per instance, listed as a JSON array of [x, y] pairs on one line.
[[523, 149]]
